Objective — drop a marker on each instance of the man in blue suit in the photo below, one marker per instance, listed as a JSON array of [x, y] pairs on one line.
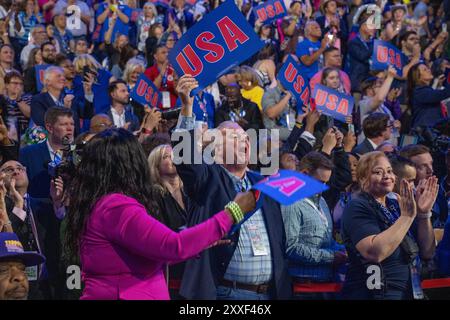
[[120, 111], [60, 126], [55, 95], [377, 129], [253, 266]]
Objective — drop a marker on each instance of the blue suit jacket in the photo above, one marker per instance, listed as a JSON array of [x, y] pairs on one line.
[[359, 55], [35, 158], [41, 102], [209, 189], [363, 147]]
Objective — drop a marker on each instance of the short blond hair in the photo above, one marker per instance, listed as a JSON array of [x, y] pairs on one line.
[[247, 73], [85, 60], [365, 165]]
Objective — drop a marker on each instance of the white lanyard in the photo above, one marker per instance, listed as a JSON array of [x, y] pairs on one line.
[[318, 210]]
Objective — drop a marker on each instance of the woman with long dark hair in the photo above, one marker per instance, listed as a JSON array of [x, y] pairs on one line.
[[424, 100], [123, 249]]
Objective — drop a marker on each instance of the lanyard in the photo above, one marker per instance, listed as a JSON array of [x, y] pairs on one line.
[[318, 210], [392, 214]]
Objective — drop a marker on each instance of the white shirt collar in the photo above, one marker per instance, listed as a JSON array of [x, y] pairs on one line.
[[372, 143]]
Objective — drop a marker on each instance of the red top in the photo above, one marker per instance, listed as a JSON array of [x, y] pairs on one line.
[[167, 83]]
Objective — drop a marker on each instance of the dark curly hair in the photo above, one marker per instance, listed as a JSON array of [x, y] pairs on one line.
[[112, 162]]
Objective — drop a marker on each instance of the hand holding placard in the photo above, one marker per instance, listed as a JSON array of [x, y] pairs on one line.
[[333, 103], [285, 187], [145, 92], [219, 41]]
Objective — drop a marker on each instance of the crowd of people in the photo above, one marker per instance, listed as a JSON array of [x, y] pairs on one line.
[[88, 176]]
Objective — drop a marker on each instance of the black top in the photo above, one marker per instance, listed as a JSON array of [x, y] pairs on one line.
[[174, 216], [358, 222]]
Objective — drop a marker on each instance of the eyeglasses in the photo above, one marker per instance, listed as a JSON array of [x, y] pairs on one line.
[[10, 170], [171, 40], [16, 83]]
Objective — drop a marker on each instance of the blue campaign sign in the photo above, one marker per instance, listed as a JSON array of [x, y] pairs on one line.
[[386, 54], [145, 92], [292, 80], [218, 42], [40, 70], [270, 10], [332, 103], [287, 187]]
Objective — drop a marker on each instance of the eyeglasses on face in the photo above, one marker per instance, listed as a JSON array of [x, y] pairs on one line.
[[10, 170]]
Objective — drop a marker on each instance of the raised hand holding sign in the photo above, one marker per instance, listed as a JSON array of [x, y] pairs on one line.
[[333, 103], [145, 92], [215, 44], [285, 187], [292, 80]]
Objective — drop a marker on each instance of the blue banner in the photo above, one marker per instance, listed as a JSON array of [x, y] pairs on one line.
[[386, 54], [292, 80], [332, 103], [218, 42], [270, 10], [40, 70], [145, 92]]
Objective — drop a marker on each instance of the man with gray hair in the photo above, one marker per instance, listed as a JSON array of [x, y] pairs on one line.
[[309, 51], [56, 95], [38, 37]]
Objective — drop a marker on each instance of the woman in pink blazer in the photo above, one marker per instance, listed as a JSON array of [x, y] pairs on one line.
[[122, 245]]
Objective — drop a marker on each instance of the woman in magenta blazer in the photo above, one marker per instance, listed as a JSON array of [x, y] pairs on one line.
[[112, 225]]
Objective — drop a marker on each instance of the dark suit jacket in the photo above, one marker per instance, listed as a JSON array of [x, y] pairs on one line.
[[359, 55], [41, 102], [363, 147], [35, 158], [252, 115], [47, 226], [209, 189], [129, 117]]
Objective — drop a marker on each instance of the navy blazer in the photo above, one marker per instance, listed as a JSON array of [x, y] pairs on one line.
[[41, 102], [35, 158], [129, 117], [359, 54], [363, 147], [210, 188]]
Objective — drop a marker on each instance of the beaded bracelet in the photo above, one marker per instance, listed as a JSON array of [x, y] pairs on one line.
[[235, 211]]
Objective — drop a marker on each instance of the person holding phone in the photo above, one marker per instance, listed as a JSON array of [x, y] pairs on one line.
[[424, 99]]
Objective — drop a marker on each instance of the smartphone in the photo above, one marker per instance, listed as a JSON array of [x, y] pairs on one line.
[[444, 27], [351, 127], [86, 71], [330, 122], [330, 37]]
